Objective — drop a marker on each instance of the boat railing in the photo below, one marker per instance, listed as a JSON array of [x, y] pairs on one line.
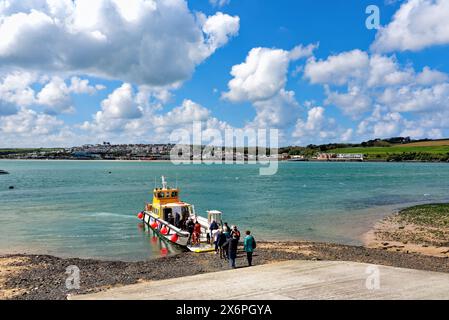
[[168, 225]]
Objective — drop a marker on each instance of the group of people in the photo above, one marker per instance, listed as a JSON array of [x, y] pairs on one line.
[[226, 241]]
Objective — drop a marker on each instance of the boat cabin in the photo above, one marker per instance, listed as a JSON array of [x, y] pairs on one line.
[[167, 206]]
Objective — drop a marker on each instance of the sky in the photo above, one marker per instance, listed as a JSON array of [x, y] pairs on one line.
[[134, 71]]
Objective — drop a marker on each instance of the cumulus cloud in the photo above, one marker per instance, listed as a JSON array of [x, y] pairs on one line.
[[29, 123], [353, 103], [15, 90], [429, 77], [121, 104], [316, 127], [260, 77], [141, 41], [55, 96], [278, 112], [261, 80], [154, 125], [337, 69], [418, 24], [412, 99], [186, 113], [18, 89], [119, 110], [377, 80], [301, 51], [219, 28]]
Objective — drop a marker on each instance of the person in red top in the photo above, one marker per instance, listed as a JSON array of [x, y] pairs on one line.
[[196, 233]]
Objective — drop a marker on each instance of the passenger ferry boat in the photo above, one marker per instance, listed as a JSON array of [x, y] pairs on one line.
[[167, 216]]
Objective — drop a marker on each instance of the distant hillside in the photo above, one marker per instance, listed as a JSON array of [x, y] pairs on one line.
[[429, 150], [431, 143], [392, 149]]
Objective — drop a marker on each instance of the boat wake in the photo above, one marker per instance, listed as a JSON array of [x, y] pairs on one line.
[[109, 214]]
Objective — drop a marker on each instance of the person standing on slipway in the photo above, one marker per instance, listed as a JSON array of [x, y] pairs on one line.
[[232, 247], [249, 244]]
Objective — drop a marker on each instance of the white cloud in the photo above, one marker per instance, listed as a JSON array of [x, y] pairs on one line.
[[219, 28], [260, 77], [347, 135], [121, 104], [301, 51], [412, 99], [219, 3], [385, 124], [82, 86], [380, 125], [185, 114], [337, 69], [385, 71], [429, 77], [418, 24], [263, 74], [278, 112], [153, 126], [141, 41], [29, 123], [377, 80], [55, 96], [353, 103], [318, 128], [15, 90]]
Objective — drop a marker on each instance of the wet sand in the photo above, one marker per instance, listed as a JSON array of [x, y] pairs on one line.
[[39, 277], [401, 234]]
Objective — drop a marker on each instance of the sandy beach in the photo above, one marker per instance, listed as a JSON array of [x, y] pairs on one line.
[[422, 229]]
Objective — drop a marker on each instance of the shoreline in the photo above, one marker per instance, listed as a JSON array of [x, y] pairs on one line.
[[223, 162], [36, 277]]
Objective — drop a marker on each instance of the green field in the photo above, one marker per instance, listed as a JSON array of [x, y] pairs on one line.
[[394, 149]]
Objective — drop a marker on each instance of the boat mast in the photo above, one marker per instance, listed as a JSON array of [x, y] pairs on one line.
[[164, 183]]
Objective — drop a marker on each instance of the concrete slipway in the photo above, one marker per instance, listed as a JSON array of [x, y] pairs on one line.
[[292, 280]]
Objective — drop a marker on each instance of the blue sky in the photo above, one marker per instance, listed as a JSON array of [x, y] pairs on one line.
[[132, 72]]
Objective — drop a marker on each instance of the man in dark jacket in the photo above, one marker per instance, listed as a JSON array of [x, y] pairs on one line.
[[233, 244], [221, 245], [190, 226]]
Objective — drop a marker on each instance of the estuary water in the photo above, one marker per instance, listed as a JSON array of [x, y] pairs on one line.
[[88, 209]]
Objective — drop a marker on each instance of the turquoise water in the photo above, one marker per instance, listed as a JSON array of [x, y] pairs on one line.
[[78, 209]]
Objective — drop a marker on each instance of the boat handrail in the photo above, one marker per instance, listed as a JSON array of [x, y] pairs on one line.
[[165, 223]]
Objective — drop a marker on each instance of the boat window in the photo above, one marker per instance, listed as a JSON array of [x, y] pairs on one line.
[[174, 194], [168, 194], [161, 195]]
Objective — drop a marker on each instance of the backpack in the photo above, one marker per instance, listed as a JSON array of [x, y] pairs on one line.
[[254, 243]]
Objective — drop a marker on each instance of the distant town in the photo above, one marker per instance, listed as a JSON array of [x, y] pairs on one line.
[[104, 151], [154, 152], [393, 149]]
